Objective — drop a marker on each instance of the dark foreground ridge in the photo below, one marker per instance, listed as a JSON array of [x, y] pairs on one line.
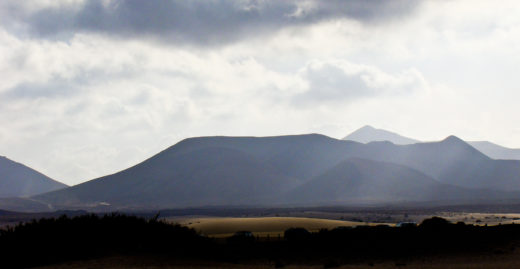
[[55, 240]]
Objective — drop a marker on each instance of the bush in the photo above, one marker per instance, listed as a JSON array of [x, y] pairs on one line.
[[60, 239], [435, 223], [296, 234]]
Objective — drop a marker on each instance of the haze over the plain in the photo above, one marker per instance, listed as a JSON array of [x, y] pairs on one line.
[[93, 87]]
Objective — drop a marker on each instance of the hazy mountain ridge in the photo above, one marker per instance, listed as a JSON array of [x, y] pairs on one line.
[[450, 161], [496, 151], [18, 180], [367, 134], [273, 170], [361, 180]]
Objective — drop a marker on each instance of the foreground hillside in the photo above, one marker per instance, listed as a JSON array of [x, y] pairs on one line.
[[292, 170], [100, 241], [17, 180]]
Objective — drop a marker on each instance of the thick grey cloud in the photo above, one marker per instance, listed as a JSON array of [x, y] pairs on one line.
[[341, 81], [195, 22]]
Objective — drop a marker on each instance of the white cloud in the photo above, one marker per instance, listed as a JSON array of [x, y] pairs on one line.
[[94, 103], [342, 81]]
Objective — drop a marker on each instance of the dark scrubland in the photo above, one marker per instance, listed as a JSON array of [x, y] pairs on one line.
[[152, 242]]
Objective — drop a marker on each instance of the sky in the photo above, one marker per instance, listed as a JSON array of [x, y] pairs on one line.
[[90, 88]]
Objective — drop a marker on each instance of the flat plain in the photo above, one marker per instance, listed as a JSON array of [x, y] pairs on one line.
[[260, 226], [275, 224]]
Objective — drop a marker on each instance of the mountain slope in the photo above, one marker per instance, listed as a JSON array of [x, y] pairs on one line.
[[262, 170], [370, 134], [298, 156], [17, 180], [202, 176], [365, 181], [496, 151], [20, 204], [450, 161]]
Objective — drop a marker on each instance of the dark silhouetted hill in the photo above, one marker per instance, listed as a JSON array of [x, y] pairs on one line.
[[53, 240], [134, 242]]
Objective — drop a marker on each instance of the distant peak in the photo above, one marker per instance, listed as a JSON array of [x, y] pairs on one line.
[[368, 134], [453, 139], [457, 143], [367, 127]]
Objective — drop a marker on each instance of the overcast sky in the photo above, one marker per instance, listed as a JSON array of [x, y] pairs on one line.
[[89, 88]]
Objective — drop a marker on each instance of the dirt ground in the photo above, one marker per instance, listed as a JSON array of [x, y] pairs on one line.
[[510, 260]]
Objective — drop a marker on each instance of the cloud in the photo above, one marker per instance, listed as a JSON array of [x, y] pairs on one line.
[[88, 90], [57, 88], [196, 22], [341, 81]]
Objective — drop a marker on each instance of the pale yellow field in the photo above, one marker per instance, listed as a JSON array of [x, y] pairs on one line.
[[260, 226], [482, 218]]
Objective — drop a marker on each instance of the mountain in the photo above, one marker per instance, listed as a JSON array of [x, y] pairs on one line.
[[370, 134], [432, 158], [451, 161], [18, 180], [210, 175], [360, 180], [212, 171], [496, 151]]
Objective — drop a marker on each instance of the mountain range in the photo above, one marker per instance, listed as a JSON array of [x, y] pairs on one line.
[[368, 134], [307, 170], [298, 170]]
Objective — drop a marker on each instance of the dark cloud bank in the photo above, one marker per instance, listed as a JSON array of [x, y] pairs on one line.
[[199, 21]]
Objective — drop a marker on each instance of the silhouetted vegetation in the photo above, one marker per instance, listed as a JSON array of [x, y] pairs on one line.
[[52, 240], [296, 235], [60, 239], [241, 237]]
